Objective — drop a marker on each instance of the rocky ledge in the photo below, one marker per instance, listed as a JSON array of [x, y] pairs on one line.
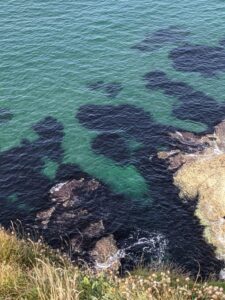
[[75, 221], [198, 166]]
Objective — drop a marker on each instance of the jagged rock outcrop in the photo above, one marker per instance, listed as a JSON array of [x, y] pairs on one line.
[[198, 163], [106, 254], [76, 221]]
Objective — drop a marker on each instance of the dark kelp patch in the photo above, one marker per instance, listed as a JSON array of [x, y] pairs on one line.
[[70, 171], [222, 42], [51, 136], [113, 146], [161, 37], [194, 105], [111, 89], [21, 172], [5, 115], [203, 59], [22, 182], [128, 119]]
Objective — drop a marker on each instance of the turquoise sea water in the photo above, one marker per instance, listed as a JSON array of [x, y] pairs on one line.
[[94, 87], [51, 50]]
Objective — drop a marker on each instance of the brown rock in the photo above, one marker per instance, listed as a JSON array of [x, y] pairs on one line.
[[44, 216], [64, 191], [167, 154], [76, 220], [105, 255], [220, 135], [94, 229]]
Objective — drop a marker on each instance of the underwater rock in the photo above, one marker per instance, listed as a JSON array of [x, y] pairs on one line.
[[200, 175], [79, 219], [203, 59], [111, 89], [64, 200], [161, 37]]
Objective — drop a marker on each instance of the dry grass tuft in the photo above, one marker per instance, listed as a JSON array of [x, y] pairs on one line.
[[54, 282], [32, 271]]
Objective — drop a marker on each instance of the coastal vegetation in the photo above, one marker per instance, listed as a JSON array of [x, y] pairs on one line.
[[31, 270]]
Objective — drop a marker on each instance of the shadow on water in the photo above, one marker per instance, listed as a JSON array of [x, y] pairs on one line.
[[166, 214]]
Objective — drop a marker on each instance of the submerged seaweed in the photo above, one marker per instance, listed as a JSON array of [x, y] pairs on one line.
[[128, 119], [113, 146], [203, 59], [111, 89], [194, 105], [5, 115], [23, 186], [161, 37], [165, 207]]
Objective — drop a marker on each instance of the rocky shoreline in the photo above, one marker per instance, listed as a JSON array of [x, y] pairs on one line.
[[84, 214], [198, 166], [71, 223]]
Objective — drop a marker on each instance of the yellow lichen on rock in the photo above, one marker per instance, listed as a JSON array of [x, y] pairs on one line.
[[198, 163], [204, 178]]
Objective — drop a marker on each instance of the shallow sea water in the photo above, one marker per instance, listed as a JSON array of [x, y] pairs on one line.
[[74, 91]]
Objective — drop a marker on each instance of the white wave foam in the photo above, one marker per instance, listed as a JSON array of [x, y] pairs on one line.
[[151, 243]]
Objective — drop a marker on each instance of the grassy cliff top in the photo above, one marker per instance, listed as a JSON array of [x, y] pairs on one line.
[[32, 271]]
